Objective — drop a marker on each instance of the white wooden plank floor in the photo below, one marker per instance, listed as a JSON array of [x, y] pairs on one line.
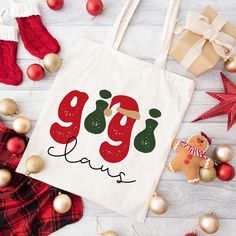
[[186, 202]]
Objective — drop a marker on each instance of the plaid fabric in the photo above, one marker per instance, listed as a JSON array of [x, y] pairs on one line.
[[26, 205]]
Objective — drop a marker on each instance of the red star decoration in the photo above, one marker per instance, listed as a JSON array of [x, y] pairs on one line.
[[227, 105]]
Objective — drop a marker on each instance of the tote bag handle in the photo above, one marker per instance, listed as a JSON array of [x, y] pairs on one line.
[[118, 30], [168, 30]]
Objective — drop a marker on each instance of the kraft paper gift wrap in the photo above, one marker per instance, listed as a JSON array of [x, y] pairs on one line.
[[208, 57]]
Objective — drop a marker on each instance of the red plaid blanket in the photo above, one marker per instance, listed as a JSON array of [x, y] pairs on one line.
[[26, 204]]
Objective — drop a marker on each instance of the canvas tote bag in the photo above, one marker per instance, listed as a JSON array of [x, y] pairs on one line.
[[109, 121]]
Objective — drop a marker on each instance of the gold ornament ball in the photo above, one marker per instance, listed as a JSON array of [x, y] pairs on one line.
[[207, 175], [62, 203], [21, 124], [8, 107], [209, 223], [158, 205], [230, 64], [34, 164], [5, 177], [52, 62], [223, 153], [109, 233]]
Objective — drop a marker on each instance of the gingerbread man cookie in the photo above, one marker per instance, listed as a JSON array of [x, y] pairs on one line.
[[191, 156]]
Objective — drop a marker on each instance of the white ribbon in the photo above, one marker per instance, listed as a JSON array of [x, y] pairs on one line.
[[3, 15], [199, 24]]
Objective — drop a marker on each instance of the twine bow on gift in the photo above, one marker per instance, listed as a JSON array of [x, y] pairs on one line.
[[221, 42]]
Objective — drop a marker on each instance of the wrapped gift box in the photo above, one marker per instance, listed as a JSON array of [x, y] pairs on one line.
[[208, 57]]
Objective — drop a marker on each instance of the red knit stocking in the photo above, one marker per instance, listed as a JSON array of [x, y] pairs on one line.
[[36, 38], [10, 73]]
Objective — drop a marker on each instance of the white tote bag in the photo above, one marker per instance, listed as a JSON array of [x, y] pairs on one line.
[[107, 127]]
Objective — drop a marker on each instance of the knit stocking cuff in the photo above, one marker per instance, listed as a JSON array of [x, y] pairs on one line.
[[23, 9], [8, 33]]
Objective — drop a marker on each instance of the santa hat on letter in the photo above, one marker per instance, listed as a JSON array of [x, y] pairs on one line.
[[128, 107]]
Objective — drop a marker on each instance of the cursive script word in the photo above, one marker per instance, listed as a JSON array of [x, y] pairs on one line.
[[84, 160]]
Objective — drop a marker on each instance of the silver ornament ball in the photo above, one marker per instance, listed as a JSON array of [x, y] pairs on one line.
[[158, 205], [21, 124], [209, 223], [5, 177], [62, 203], [223, 153], [230, 64], [52, 62]]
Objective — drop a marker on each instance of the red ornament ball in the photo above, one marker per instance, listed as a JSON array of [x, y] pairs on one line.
[[94, 7], [16, 145], [55, 4], [191, 234], [225, 171], [35, 72]]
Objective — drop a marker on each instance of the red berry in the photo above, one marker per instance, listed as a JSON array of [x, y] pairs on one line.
[[16, 145], [35, 72], [94, 7], [55, 4]]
